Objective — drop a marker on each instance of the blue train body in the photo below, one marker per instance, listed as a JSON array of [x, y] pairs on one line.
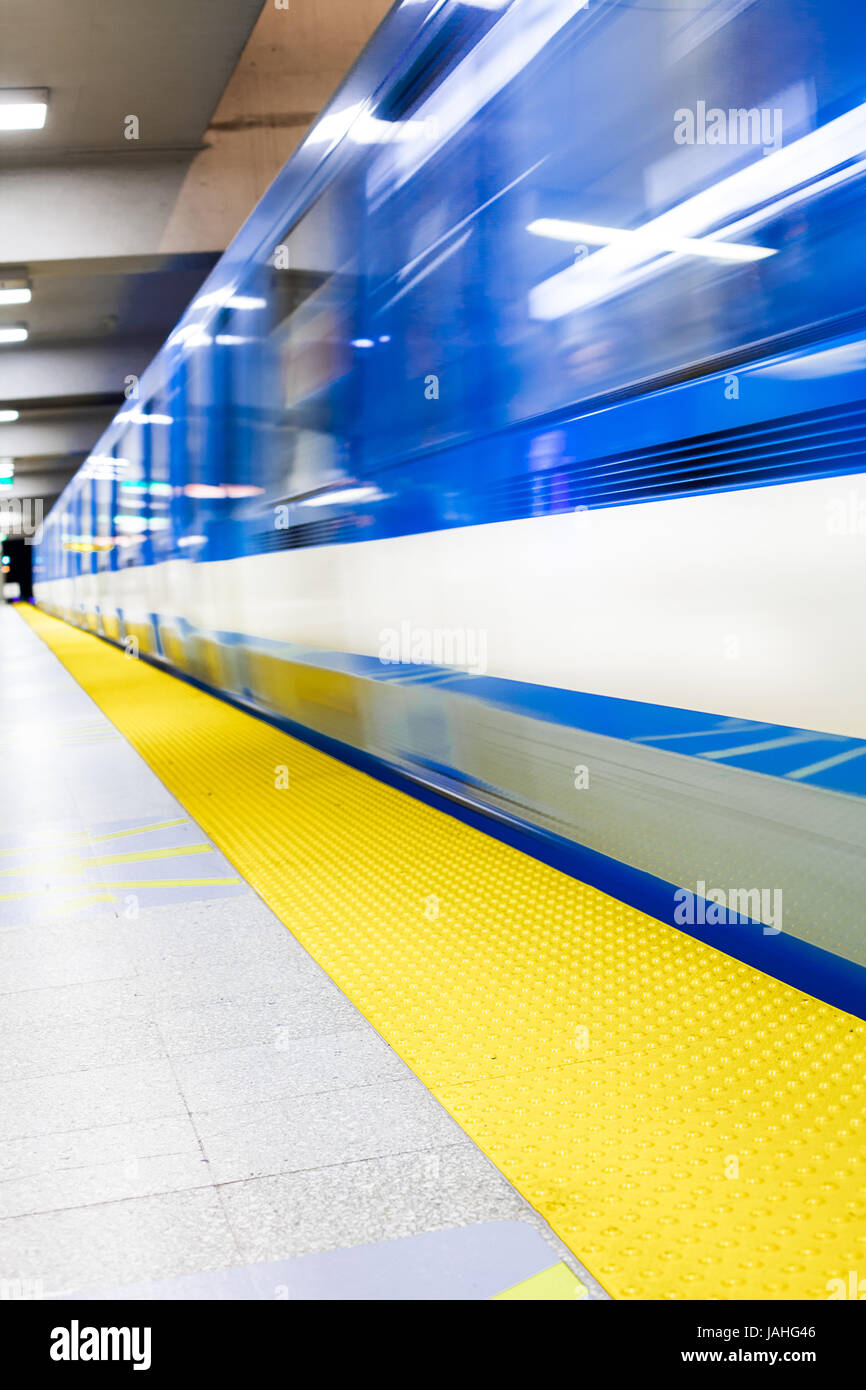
[[517, 441]]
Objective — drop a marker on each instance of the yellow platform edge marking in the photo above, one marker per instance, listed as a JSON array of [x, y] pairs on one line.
[[554, 1285], [690, 1127]]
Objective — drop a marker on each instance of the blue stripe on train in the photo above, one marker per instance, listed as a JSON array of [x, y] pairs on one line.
[[835, 762]]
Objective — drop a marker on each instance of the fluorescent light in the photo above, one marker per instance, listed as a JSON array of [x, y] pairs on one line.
[[203, 490], [23, 109], [215, 298], [7, 416], [762, 189], [104, 467], [246, 301], [138, 417], [27, 116], [13, 333], [192, 334], [15, 294], [242, 490], [646, 240], [345, 494]]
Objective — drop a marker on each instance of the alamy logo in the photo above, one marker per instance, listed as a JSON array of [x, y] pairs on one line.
[[737, 126], [846, 516], [854, 1289], [22, 516], [732, 907], [460, 647], [22, 1288], [77, 1343]]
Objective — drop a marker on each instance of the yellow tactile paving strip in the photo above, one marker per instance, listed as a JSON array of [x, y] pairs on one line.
[[689, 1126]]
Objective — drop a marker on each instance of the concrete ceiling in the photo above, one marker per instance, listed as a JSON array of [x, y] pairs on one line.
[[117, 234], [91, 324], [83, 207], [163, 61]]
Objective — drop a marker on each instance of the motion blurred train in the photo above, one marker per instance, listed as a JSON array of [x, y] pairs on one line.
[[517, 444]]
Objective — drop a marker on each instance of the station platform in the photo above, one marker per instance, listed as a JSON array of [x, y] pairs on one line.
[[276, 1029]]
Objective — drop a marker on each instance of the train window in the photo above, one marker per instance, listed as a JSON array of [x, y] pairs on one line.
[[104, 530], [160, 488], [87, 536], [206, 448], [131, 517], [544, 249], [103, 474], [317, 346]]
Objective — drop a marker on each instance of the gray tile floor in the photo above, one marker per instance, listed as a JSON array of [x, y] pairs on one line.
[[183, 1090]]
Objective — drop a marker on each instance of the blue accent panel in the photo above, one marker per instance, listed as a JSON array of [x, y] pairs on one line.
[[849, 777], [617, 455], [691, 733]]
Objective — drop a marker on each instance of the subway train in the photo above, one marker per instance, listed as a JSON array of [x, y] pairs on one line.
[[515, 447]]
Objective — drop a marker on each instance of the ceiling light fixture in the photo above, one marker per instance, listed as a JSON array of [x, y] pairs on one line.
[[13, 333], [736, 204], [15, 291], [335, 496], [7, 416], [24, 108]]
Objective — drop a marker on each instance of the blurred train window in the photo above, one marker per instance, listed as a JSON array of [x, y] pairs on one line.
[[103, 474], [316, 344], [177, 442], [78, 527], [131, 516], [160, 489], [203, 445], [533, 243], [87, 524]]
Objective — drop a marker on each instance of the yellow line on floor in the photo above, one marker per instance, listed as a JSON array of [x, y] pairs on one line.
[[138, 830], [690, 1127], [172, 882], [26, 893], [76, 864], [72, 840], [138, 856], [554, 1285]]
